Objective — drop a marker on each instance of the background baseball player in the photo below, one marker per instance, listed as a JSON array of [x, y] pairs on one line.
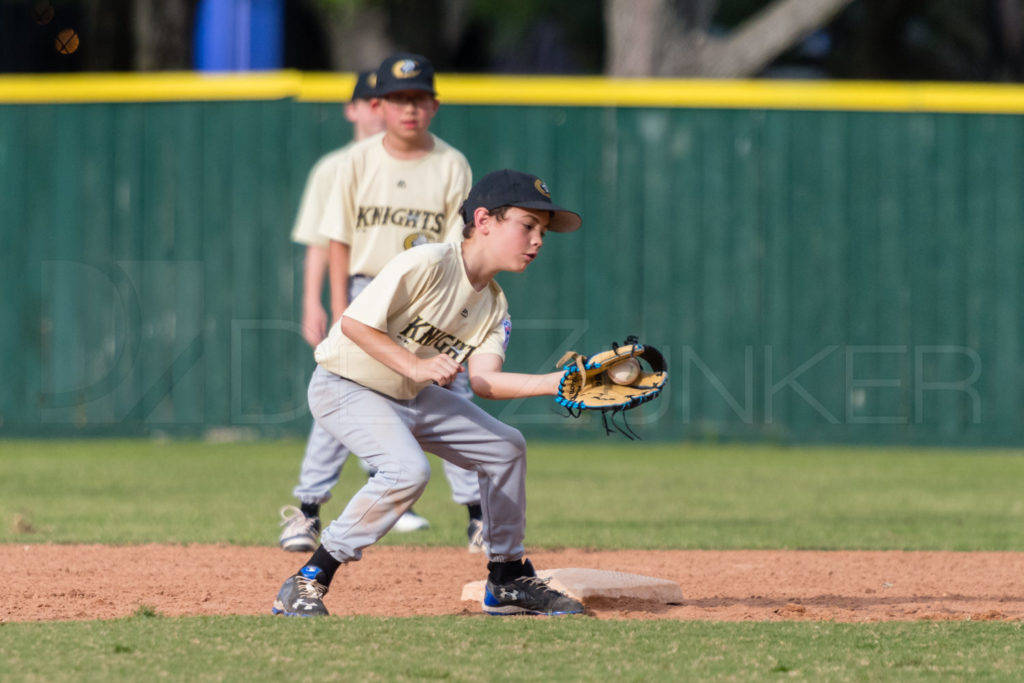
[[324, 456], [388, 192], [378, 388]]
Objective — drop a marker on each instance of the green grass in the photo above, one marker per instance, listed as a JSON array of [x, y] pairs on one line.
[[612, 494], [484, 649]]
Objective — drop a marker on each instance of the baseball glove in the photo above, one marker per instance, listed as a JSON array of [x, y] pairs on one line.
[[587, 385]]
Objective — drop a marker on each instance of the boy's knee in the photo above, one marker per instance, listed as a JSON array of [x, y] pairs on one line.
[[515, 444], [409, 476], [420, 474]]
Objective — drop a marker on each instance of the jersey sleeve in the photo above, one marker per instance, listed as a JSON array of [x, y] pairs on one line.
[[458, 190], [306, 229], [497, 338], [338, 217], [496, 342]]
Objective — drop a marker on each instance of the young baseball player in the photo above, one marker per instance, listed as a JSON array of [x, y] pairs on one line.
[[379, 389], [388, 192], [324, 457], [366, 121]]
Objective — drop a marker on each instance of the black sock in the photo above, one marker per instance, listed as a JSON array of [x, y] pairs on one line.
[[503, 572], [475, 512], [310, 509], [327, 564]]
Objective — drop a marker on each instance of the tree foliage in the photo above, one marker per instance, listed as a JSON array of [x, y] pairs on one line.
[[981, 40]]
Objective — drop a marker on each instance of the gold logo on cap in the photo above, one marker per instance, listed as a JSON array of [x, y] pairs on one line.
[[371, 80], [406, 68], [541, 187]]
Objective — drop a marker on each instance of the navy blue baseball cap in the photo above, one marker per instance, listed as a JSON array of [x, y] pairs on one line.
[[405, 71], [514, 188], [366, 86]]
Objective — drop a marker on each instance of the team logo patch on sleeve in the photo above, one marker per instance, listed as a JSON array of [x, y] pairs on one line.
[[506, 325]]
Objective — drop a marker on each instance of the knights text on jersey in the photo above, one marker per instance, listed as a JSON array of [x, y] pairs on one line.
[[424, 301], [380, 205]]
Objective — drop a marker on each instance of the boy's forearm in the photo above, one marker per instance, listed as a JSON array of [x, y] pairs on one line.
[[314, 315], [379, 346], [313, 276], [502, 386], [339, 260]]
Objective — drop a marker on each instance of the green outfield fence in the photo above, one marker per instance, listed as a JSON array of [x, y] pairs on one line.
[[827, 262]]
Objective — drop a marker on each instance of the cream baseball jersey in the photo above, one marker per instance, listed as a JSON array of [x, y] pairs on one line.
[[380, 205], [424, 301], [306, 230]]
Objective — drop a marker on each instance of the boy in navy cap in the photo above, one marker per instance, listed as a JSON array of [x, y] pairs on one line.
[[391, 191], [324, 457], [379, 389]]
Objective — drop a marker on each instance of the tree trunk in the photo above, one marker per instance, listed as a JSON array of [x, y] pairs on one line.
[[666, 38], [359, 36], [766, 35], [364, 33], [1007, 40], [456, 16], [650, 38], [163, 34], [632, 29]]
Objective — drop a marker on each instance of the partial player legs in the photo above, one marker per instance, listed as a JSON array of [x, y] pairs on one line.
[[466, 491], [321, 466], [375, 508], [374, 427], [464, 483], [464, 434]]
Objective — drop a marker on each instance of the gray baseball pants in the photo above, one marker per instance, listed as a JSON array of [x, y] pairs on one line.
[[325, 455], [391, 435]]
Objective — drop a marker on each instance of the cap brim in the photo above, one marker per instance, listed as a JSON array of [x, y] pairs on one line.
[[402, 87], [563, 220]]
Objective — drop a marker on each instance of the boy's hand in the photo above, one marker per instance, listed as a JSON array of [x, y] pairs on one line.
[[314, 323], [440, 369]]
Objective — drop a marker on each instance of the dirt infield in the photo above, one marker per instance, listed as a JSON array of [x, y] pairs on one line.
[[73, 582]]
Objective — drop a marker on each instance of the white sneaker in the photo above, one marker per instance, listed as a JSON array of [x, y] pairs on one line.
[[300, 533], [410, 521]]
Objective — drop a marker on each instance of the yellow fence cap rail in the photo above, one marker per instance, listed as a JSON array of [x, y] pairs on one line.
[[500, 90], [732, 94], [148, 87]]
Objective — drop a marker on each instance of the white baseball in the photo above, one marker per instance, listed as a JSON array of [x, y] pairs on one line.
[[625, 372]]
